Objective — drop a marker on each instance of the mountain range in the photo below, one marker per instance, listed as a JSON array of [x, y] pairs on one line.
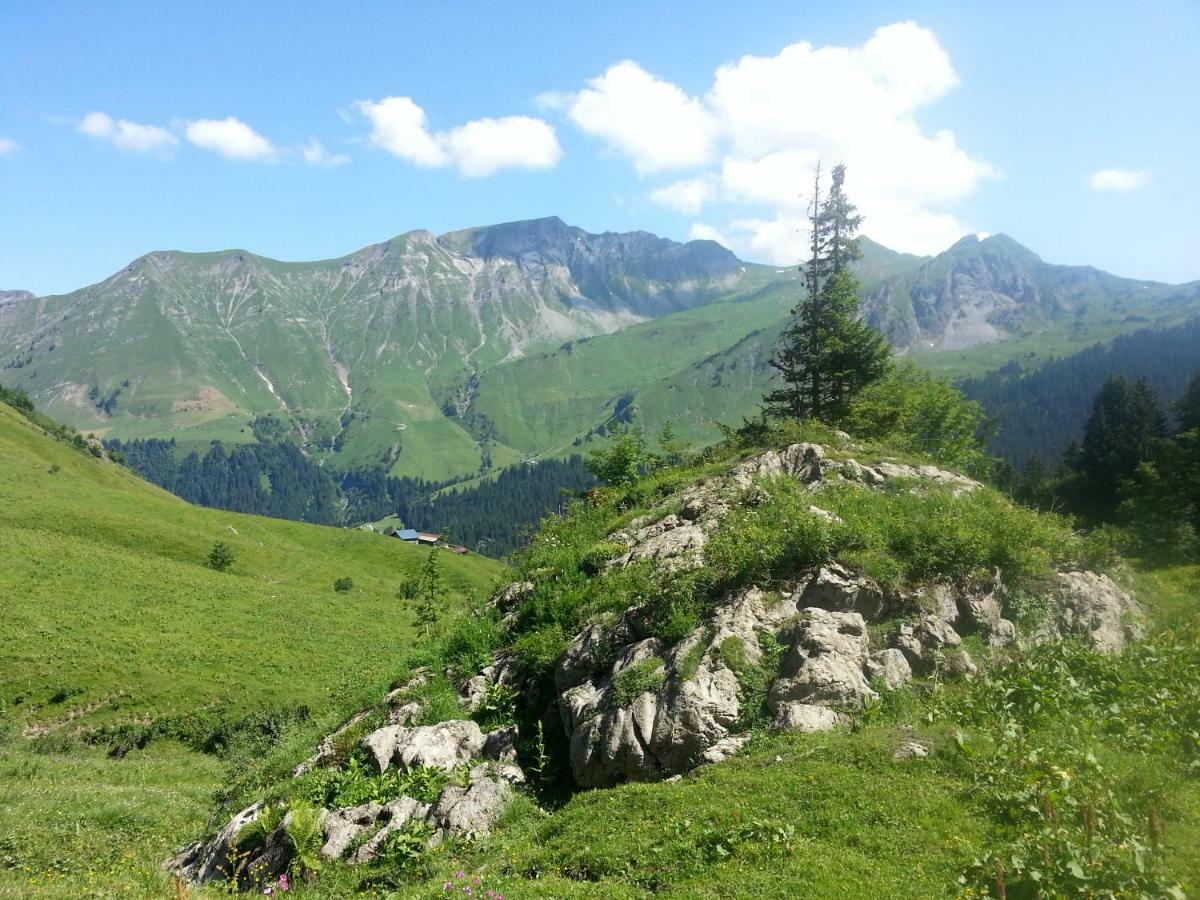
[[448, 356]]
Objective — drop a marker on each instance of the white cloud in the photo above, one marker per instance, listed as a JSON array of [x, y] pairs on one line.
[[398, 126], [1118, 179], [768, 120], [687, 196], [652, 122], [132, 136], [230, 138], [477, 148], [8, 145], [315, 154], [485, 146]]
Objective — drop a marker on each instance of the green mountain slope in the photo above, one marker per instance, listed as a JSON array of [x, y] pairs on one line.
[[111, 623], [441, 357], [111, 615], [361, 353]]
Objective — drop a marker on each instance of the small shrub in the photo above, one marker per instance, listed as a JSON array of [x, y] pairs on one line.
[[630, 683], [343, 585], [221, 557]]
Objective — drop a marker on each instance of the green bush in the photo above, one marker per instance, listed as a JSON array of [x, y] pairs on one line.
[[221, 556], [343, 585], [630, 683]]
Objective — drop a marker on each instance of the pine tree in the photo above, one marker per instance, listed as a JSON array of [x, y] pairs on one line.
[[430, 592], [1187, 407], [1124, 430], [827, 354]]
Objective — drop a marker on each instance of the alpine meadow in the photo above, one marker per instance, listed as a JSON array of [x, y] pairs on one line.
[[690, 500]]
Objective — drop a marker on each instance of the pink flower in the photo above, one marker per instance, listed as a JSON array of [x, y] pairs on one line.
[[460, 874], [284, 884], [446, 885]]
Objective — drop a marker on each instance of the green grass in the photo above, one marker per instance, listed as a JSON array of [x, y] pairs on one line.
[[109, 601], [81, 824], [112, 620]]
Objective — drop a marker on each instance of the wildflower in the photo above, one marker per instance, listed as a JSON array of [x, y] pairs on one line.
[[284, 884], [446, 885]]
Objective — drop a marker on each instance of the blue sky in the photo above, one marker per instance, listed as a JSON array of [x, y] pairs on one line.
[[1073, 127]]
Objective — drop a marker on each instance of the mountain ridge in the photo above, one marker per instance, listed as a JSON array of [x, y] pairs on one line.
[[443, 356]]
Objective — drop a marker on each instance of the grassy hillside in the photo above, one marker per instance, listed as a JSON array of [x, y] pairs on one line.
[[1058, 764], [113, 626], [112, 611]]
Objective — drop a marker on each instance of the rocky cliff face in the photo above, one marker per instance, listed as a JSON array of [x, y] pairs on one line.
[[7, 297], [990, 289]]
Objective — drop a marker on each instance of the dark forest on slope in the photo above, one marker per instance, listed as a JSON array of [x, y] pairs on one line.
[[273, 478], [1039, 413]]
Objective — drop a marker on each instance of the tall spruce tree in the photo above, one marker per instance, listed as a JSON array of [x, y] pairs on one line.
[[1123, 431], [827, 354]]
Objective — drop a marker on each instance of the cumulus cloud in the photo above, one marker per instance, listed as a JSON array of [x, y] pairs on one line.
[[758, 133], [687, 196], [652, 122], [315, 154], [477, 148], [132, 136], [230, 138], [1118, 179], [8, 145], [485, 146]]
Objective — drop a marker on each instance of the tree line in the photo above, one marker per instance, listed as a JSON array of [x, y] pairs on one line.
[[272, 477], [1039, 413]]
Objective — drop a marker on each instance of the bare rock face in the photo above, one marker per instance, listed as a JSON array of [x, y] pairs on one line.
[[1092, 607], [923, 640], [395, 815], [806, 717], [673, 541], [960, 483], [472, 810], [343, 825], [801, 461], [890, 667], [824, 664], [442, 746], [211, 860], [837, 588]]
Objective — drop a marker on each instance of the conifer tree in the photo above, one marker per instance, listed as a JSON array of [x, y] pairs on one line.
[[1124, 430], [827, 354]]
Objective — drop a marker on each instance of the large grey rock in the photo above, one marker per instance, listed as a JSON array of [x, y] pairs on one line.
[[890, 667], [923, 641], [443, 746], [473, 810], [673, 542], [725, 748], [835, 587], [345, 824], [693, 715], [612, 746], [824, 662], [395, 815], [802, 461], [960, 483], [806, 717], [1092, 607], [211, 860]]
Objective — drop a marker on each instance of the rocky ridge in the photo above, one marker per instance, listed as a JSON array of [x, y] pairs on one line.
[[634, 708]]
